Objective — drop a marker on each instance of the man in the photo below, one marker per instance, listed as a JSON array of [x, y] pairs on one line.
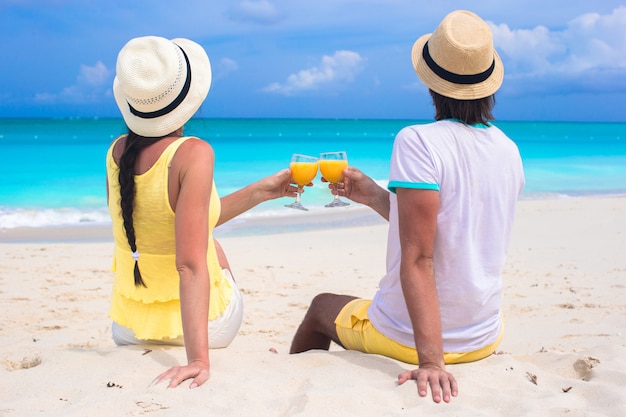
[[453, 189]]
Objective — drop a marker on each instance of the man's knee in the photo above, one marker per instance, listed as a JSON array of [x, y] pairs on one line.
[[322, 299], [325, 308]]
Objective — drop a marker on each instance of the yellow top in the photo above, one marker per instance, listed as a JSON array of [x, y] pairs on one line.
[[154, 312]]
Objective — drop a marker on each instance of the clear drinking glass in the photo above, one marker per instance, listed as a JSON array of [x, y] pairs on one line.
[[332, 165], [303, 171]]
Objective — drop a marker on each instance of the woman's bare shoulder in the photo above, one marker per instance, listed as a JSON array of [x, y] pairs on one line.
[[118, 147], [194, 151], [195, 145]]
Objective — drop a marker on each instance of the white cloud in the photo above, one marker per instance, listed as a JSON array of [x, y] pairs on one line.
[[94, 76], [341, 67], [255, 11], [598, 41], [577, 58], [527, 50], [91, 84], [224, 67]]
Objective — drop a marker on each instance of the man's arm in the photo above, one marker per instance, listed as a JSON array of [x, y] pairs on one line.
[[362, 189], [417, 216]]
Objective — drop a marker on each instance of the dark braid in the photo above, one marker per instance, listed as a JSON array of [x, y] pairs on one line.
[[134, 145]]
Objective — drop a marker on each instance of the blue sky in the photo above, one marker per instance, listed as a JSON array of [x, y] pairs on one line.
[[564, 59]]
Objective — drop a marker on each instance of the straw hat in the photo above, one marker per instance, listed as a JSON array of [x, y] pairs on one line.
[[458, 59], [160, 83]]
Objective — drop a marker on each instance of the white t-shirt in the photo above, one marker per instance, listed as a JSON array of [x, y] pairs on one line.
[[479, 175]]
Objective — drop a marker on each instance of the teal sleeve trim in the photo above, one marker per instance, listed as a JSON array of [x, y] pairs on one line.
[[414, 185]]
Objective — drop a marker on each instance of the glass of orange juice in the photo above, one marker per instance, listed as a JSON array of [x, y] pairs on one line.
[[332, 165], [303, 171]]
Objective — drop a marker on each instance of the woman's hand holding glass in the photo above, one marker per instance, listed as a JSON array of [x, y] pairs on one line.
[[276, 186], [303, 171], [332, 165]]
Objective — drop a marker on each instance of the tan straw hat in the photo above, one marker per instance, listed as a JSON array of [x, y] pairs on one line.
[[160, 83], [458, 59]]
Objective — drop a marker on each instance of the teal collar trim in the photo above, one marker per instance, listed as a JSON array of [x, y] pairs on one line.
[[476, 125]]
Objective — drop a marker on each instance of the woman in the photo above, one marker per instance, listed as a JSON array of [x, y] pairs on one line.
[[453, 189], [172, 281]]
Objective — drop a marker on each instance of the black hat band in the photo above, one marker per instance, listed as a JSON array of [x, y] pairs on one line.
[[452, 77], [170, 107]]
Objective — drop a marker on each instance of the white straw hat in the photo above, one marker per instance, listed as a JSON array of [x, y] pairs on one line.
[[160, 83], [458, 59]]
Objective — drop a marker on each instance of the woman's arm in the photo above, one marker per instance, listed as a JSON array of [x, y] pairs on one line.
[[194, 164], [417, 216], [268, 188]]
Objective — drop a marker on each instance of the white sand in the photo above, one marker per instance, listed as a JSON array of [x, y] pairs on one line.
[[564, 305]]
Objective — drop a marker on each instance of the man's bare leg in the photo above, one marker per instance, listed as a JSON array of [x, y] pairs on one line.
[[318, 329]]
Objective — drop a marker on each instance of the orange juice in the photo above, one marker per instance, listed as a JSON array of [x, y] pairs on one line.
[[332, 169], [303, 172]]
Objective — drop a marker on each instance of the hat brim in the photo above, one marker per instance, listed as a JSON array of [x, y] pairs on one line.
[[452, 90], [201, 77]]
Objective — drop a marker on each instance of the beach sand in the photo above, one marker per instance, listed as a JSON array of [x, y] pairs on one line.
[[563, 353]]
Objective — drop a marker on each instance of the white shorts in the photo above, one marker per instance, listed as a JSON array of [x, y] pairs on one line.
[[222, 330]]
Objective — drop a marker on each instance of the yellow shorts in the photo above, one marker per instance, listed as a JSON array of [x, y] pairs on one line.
[[356, 332]]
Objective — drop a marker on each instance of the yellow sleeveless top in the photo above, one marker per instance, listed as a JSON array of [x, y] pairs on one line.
[[154, 312]]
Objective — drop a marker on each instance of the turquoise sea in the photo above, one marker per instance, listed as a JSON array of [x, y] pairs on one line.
[[53, 170]]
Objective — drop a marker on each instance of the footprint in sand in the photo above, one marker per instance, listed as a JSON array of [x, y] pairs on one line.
[[27, 362], [583, 367]]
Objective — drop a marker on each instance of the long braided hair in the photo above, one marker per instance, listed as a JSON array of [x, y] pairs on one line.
[[134, 144]]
